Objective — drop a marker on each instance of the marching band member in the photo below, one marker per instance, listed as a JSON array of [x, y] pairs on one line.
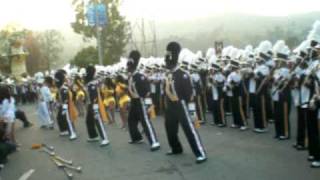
[[216, 83], [66, 111], [281, 91], [298, 93], [261, 74], [178, 90], [80, 95], [203, 73], [96, 114], [312, 82], [123, 100], [139, 90], [233, 84], [108, 92], [197, 92]]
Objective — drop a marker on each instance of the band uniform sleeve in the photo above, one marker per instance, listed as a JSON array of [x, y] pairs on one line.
[[183, 86], [64, 94], [142, 85]]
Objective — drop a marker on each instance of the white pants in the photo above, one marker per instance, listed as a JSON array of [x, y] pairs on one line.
[[43, 114]]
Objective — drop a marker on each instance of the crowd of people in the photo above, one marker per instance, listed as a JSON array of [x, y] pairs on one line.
[[257, 87]]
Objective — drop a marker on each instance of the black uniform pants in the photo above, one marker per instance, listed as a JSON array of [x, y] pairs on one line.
[[177, 113], [138, 113], [237, 111], [92, 123], [282, 123], [269, 109], [259, 112], [62, 120], [227, 104], [313, 134], [22, 117], [218, 111], [301, 126]]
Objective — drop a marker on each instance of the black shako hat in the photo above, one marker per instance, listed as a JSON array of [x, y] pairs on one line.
[[90, 72], [133, 60], [172, 56], [59, 77]]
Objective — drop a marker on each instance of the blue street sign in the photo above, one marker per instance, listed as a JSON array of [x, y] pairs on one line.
[[91, 15], [97, 15], [101, 14]]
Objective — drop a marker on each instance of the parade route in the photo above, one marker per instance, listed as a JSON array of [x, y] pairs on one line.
[[232, 155]]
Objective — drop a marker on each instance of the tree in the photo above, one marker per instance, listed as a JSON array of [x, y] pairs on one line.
[[35, 58], [85, 57], [114, 37], [51, 46]]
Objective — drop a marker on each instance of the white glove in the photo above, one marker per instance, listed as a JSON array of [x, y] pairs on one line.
[[148, 101], [95, 107]]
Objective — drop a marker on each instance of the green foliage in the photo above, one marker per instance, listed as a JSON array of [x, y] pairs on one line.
[[114, 37], [85, 57]]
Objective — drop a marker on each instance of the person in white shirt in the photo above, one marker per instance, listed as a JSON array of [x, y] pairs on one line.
[[44, 99], [7, 112]]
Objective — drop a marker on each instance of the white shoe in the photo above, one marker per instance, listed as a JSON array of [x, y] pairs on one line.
[[315, 164], [104, 143], [243, 128], [64, 133], [258, 130], [233, 126], [93, 139], [73, 137], [201, 159], [155, 146]]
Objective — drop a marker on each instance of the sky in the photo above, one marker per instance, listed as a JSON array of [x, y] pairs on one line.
[[46, 14]]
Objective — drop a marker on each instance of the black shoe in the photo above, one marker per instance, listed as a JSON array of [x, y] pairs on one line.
[[311, 158], [136, 141], [283, 138], [27, 125], [170, 153], [221, 125], [202, 122], [300, 147]]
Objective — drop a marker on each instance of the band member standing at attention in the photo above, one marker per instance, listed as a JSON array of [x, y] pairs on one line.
[[312, 82], [261, 77], [298, 94], [64, 117], [139, 90], [216, 83], [281, 91], [96, 113], [178, 90], [234, 85], [197, 91]]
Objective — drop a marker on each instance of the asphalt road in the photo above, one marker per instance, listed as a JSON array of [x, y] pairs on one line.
[[232, 155]]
